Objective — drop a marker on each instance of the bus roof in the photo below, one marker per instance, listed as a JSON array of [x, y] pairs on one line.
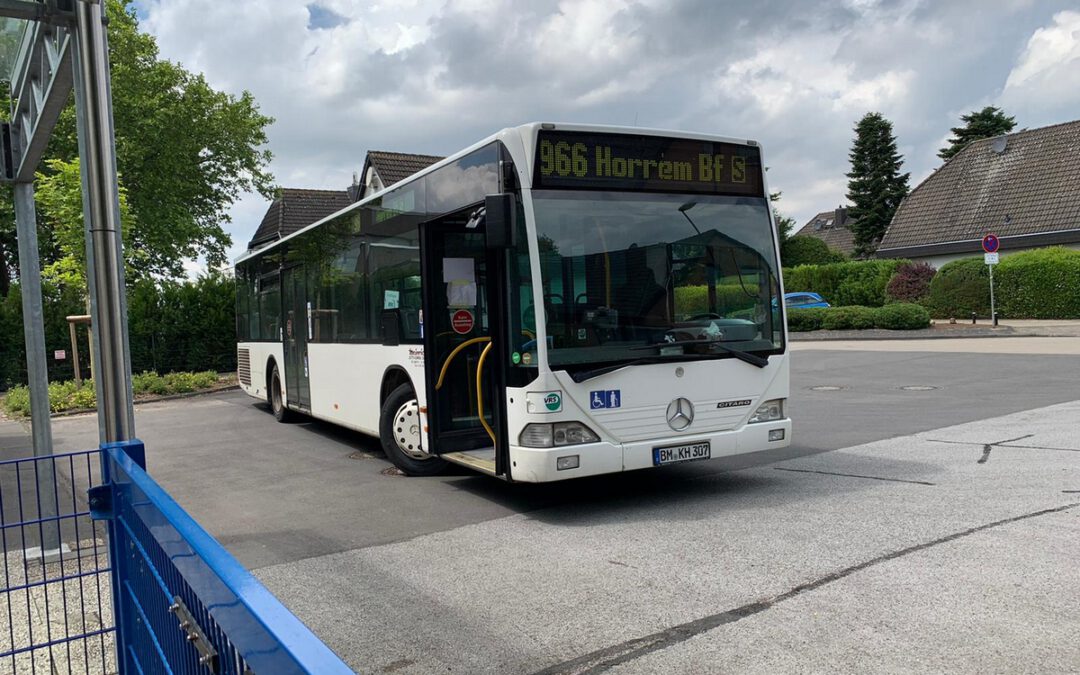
[[524, 134]]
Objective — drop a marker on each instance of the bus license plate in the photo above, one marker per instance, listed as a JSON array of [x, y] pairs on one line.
[[681, 453]]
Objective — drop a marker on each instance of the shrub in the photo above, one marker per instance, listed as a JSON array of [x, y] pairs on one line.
[[960, 288], [859, 282], [853, 317], [68, 396], [805, 319], [910, 283], [804, 250], [17, 401], [1039, 284], [901, 316]]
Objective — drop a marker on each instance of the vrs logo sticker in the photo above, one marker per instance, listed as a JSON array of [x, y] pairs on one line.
[[553, 401], [733, 404]]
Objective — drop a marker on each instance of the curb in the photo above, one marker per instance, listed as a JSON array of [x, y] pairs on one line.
[[827, 336]]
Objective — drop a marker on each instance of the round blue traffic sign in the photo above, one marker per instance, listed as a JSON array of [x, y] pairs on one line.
[[990, 243]]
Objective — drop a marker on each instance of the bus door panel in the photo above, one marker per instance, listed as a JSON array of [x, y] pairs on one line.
[[458, 319], [295, 336]]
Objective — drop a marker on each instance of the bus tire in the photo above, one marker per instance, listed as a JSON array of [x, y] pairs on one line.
[[277, 400], [400, 434]]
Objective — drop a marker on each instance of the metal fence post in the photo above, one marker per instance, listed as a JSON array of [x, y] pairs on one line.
[[101, 205], [36, 368]]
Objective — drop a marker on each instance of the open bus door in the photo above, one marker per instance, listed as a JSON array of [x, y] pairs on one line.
[[466, 342]]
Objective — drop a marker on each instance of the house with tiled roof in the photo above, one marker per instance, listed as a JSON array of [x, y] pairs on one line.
[[833, 228], [1024, 187], [294, 209], [382, 169]]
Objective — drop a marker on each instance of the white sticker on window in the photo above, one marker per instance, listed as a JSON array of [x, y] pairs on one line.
[[391, 299]]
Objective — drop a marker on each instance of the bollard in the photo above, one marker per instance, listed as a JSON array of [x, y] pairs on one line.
[[995, 319], [973, 318]]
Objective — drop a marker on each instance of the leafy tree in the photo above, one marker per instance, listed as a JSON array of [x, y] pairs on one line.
[[985, 123], [803, 250], [875, 185], [185, 153], [58, 195], [784, 224]]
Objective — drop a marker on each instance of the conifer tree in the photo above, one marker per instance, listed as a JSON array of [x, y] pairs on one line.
[[985, 123], [875, 185]]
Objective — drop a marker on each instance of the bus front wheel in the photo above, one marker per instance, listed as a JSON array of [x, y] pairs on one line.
[[400, 432], [277, 400]]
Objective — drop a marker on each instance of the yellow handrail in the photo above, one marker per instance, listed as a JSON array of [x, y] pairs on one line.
[[480, 392], [446, 363]]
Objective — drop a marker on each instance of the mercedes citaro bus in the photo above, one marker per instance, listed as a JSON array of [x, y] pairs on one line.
[[554, 301]]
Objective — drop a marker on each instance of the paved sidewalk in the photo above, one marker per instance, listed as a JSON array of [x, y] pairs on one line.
[[944, 330]]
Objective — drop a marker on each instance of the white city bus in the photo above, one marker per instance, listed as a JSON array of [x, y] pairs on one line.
[[554, 301]]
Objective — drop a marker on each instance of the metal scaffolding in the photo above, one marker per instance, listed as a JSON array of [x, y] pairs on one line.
[[62, 45]]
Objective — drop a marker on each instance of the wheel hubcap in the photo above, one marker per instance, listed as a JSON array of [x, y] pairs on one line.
[[407, 430]]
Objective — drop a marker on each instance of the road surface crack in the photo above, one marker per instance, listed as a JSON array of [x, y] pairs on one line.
[[609, 657], [855, 475]]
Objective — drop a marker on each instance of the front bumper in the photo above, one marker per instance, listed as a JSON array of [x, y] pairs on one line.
[[538, 465]]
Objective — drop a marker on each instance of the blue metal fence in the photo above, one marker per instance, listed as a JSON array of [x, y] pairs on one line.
[[55, 595], [182, 604]]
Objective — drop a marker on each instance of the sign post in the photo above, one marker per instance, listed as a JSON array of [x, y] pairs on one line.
[[991, 244]]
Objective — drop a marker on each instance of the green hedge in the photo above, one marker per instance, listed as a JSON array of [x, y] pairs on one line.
[[806, 319], [960, 288], [859, 282], [690, 300], [901, 316], [172, 326], [1039, 284], [897, 316], [853, 317]]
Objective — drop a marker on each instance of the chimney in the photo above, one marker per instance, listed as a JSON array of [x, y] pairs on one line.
[[354, 189], [839, 216]]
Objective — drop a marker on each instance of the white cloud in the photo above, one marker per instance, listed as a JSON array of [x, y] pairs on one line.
[[1048, 71], [434, 76]]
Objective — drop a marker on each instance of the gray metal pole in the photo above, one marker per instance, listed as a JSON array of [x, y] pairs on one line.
[[36, 365], [993, 309], [101, 204]]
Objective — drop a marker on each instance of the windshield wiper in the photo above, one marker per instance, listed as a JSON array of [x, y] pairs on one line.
[[752, 359], [584, 375]]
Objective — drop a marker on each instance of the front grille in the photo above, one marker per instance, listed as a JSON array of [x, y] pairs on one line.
[[243, 366]]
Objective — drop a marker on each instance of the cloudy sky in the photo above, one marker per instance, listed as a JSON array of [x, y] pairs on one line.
[[432, 76]]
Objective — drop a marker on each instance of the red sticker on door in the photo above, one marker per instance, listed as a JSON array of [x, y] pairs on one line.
[[462, 321]]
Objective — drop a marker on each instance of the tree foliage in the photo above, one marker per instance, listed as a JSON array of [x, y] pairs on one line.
[[979, 124], [184, 152], [875, 185], [804, 250]]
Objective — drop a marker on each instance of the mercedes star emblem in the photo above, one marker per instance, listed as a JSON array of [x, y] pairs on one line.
[[680, 414]]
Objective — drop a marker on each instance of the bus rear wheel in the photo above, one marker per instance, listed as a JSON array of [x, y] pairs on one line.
[[277, 400], [400, 433]]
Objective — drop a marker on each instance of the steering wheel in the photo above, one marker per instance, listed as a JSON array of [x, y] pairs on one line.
[[577, 300], [706, 315]]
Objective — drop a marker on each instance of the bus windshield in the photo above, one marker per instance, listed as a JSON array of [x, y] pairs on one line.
[[631, 275]]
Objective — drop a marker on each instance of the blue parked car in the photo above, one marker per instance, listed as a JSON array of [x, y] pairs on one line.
[[804, 300]]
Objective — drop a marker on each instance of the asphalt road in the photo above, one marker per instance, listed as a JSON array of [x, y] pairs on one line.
[[873, 543]]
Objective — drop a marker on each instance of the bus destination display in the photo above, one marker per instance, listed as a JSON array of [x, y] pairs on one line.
[[574, 159]]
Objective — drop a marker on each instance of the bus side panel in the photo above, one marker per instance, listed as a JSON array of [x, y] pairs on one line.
[[258, 355], [346, 380]]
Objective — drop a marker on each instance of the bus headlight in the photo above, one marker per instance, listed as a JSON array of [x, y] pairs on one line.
[[556, 435], [768, 411]]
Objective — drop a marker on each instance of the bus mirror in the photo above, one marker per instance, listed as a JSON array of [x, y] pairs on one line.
[[500, 227]]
